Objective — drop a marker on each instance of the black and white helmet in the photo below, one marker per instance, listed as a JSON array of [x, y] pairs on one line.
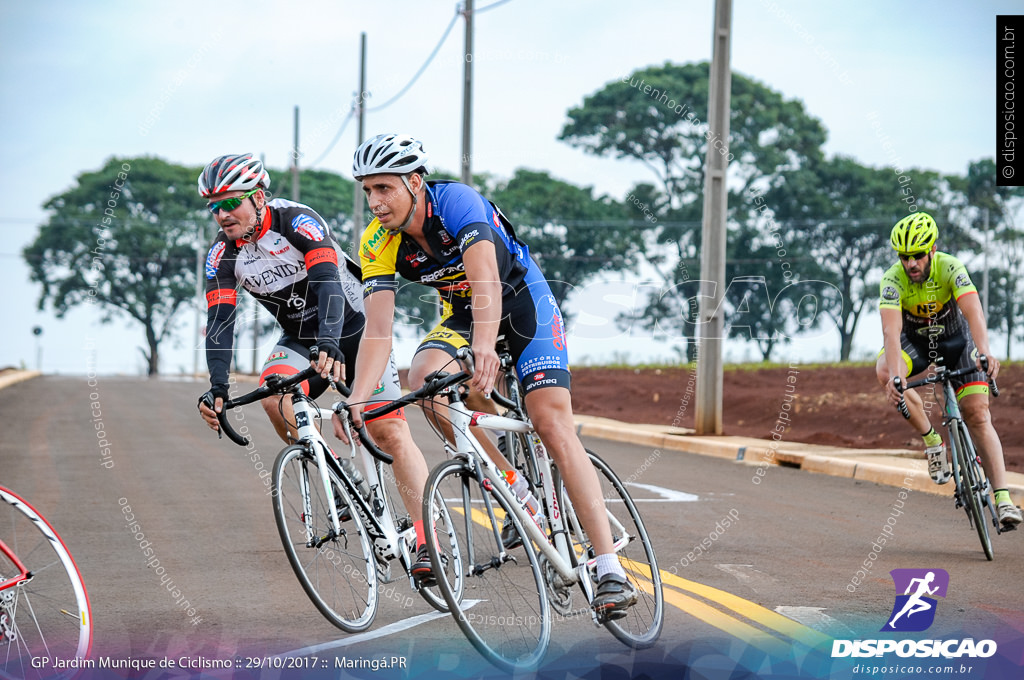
[[389, 154], [238, 172]]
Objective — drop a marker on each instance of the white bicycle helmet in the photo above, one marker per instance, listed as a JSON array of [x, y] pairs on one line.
[[389, 154], [238, 172]]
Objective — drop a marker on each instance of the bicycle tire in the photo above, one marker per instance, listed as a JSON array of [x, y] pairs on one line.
[[339, 574], [504, 612], [49, 615], [445, 525], [642, 625], [971, 483]]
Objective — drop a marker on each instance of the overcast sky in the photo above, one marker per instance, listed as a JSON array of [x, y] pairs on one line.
[[187, 81]]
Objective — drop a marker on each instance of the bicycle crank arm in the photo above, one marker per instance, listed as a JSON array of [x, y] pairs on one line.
[[493, 564]]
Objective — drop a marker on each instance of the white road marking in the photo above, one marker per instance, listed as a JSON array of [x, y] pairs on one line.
[[816, 618], [666, 494], [390, 629]]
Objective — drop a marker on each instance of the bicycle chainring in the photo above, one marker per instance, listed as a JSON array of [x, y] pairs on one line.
[[559, 594]]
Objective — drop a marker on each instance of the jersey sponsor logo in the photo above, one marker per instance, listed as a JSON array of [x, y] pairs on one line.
[[443, 272], [468, 237], [319, 255], [445, 238], [890, 293], [962, 280], [379, 388], [285, 270], [276, 356], [416, 259], [308, 227], [296, 301], [539, 376], [213, 259], [221, 296], [282, 251]]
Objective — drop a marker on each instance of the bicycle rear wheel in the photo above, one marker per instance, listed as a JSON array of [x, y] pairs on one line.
[[337, 570], [504, 611], [641, 626], [972, 485], [48, 615]]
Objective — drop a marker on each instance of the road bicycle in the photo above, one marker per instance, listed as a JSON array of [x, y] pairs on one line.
[[44, 609], [340, 543], [509, 592], [971, 490]]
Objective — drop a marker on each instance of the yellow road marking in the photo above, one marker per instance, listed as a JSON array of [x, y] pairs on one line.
[[754, 612], [724, 621]]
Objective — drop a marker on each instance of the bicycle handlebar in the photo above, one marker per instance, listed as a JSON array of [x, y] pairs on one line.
[[942, 375], [274, 384]]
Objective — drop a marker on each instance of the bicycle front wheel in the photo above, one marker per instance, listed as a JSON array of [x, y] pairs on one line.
[[641, 626], [48, 615], [971, 485], [336, 568], [504, 610]]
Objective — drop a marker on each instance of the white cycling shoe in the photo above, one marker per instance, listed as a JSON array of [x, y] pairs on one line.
[[938, 465], [1009, 514]]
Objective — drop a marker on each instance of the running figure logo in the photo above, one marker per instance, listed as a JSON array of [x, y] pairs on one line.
[[914, 611]]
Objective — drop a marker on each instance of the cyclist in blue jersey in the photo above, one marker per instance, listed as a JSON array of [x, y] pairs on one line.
[[447, 236]]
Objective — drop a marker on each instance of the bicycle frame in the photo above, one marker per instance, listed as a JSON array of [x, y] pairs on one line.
[[388, 542], [557, 553], [24, 576], [952, 413]]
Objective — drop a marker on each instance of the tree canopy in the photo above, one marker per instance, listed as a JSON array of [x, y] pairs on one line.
[[123, 238]]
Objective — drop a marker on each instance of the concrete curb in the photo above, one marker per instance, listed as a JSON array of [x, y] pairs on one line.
[[14, 377], [892, 467]]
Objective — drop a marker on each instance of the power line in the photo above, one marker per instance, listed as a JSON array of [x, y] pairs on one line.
[[422, 68], [334, 141], [491, 6]]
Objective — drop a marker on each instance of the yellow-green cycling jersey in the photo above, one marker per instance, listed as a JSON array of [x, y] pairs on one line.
[[930, 308]]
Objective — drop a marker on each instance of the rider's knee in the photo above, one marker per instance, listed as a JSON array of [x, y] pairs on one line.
[[392, 435], [976, 414]]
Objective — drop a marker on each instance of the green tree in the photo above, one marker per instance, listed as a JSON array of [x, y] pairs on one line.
[[842, 212], [657, 116], [123, 238], [573, 235]]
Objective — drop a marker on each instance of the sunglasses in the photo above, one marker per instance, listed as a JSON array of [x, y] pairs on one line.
[[907, 257], [229, 204]]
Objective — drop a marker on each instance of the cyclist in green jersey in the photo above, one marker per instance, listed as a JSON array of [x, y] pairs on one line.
[[931, 314]]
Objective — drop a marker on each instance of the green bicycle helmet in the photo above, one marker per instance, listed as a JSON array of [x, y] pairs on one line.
[[914, 233]]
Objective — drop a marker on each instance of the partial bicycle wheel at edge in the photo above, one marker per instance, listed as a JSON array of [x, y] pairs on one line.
[[338, 572], [47, 616], [971, 482], [504, 611], [641, 626]]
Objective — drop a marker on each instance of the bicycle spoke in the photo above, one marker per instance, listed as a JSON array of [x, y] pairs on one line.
[[338, 571], [48, 615], [506, 617]]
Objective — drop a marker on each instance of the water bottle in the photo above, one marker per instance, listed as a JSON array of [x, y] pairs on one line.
[[522, 491], [356, 476]]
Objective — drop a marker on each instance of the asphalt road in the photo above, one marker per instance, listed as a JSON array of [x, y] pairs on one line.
[[794, 544]]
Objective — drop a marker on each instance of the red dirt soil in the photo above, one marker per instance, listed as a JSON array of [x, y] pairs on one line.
[[839, 405]]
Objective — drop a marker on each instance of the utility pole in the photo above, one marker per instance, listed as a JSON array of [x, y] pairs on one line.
[[708, 413], [198, 337], [357, 190], [467, 96], [984, 290], [295, 159]]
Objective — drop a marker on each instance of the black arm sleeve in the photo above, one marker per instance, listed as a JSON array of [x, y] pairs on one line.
[[220, 340]]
